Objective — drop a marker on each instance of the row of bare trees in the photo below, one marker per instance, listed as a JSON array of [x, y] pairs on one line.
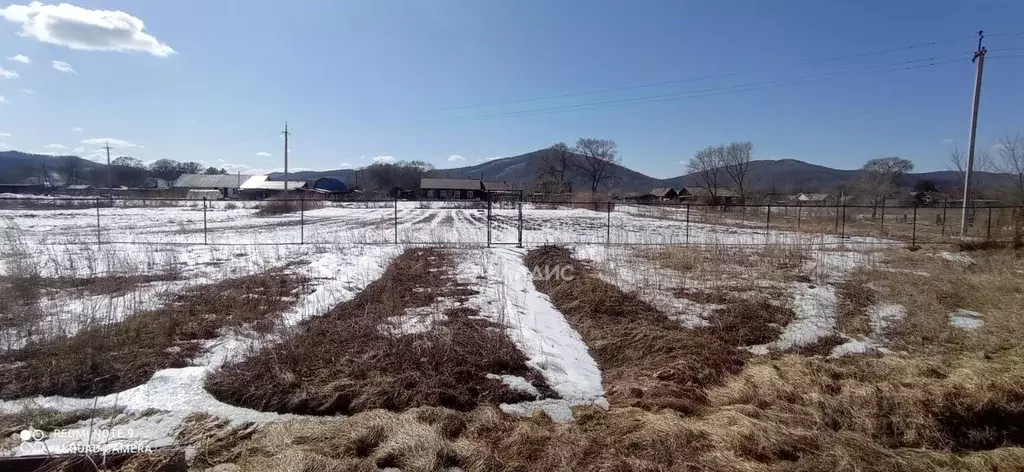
[[732, 160], [1009, 162], [595, 161]]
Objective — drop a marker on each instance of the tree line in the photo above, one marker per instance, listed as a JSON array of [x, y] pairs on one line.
[[129, 171]]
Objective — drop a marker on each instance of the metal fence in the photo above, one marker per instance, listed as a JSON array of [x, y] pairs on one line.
[[503, 219]]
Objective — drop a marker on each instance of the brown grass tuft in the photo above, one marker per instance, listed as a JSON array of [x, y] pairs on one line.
[[647, 359], [344, 361], [102, 359]]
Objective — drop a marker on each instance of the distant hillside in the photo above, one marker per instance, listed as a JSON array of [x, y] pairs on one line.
[[791, 175], [16, 166], [785, 175]]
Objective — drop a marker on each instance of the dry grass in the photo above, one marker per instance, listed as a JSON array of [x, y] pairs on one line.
[[647, 359], [107, 358], [993, 285], [350, 360], [281, 207]]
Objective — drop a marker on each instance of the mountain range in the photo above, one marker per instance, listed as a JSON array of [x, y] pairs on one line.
[[784, 175]]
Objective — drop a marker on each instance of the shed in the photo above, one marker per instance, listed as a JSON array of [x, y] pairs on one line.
[[821, 199], [227, 184], [327, 185], [200, 194], [457, 189], [722, 196]]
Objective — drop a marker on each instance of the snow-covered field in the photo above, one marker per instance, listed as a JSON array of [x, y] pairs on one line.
[[410, 222], [338, 260]]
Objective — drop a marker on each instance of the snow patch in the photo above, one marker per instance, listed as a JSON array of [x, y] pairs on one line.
[[966, 319], [507, 295], [883, 317], [815, 308], [516, 384], [857, 346], [957, 257]]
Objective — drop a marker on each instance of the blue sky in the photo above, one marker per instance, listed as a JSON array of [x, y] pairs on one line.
[[215, 81]]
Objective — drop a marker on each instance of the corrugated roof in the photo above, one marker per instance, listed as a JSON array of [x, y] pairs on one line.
[[450, 184], [260, 182], [814, 197], [210, 180], [494, 185], [661, 191], [703, 192]]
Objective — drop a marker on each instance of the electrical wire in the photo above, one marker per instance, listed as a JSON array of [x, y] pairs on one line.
[[736, 88], [713, 76]]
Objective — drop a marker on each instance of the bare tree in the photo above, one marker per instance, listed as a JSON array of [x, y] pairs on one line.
[[958, 164], [705, 163], [879, 179], [556, 167], [598, 161], [736, 161], [71, 167], [1011, 163]]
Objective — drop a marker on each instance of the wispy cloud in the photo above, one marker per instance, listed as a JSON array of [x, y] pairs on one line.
[[77, 130], [63, 67], [55, 146], [948, 141], [5, 135], [20, 58], [84, 29], [263, 154], [2, 100], [384, 159], [485, 159], [8, 74], [345, 164], [28, 91], [4, 146], [111, 141], [455, 157]]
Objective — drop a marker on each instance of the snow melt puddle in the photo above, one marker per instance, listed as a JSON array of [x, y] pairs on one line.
[[966, 319], [506, 295], [179, 392], [815, 308]]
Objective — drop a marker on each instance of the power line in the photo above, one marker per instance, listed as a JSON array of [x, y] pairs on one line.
[[736, 88], [713, 76]]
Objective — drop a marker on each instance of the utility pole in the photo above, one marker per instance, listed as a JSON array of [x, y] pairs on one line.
[[286, 133], [979, 59], [110, 181]]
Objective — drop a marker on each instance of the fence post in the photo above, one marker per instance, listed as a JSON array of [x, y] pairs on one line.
[[767, 222], [204, 221], [520, 222], [913, 237], [988, 232], [836, 228], [799, 210], [687, 223], [396, 218], [98, 241], [488, 219], [302, 219], [943, 217], [608, 225], [842, 229], [882, 226]]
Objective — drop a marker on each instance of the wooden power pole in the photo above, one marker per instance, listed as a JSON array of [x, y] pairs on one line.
[[979, 60]]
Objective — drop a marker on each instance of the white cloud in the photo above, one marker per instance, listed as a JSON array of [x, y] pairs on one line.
[[113, 142], [263, 154], [2, 100], [63, 67], [78, 149], [84, 29], [455, 157], [384, 159], [5, 135], [28, 91], [77, 129], [8, 74], [55, 146], [20, 58], [484, 159], [997, 146], [4, 146], [346, 164], [947, 141]]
